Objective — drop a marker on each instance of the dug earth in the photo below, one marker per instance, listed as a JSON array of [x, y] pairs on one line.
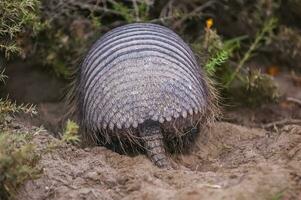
[[229, 162]]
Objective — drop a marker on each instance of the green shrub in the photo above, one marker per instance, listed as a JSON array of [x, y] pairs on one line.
[[17, 162], [18, 17]]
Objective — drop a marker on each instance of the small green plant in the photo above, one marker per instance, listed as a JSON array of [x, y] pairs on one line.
[[220, 58], [218, 51], [143, 11], [138, 12], [210, 50], [279, 195], [9, 107], [3, 77], [124, 11], [17, 162], [70, 134]]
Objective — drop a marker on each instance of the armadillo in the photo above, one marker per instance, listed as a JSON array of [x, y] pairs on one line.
[[141, 84]]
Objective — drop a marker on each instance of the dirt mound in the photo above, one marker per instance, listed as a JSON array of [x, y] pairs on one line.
[[230, 162]]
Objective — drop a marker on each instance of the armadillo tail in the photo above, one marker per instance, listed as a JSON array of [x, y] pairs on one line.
[[153, 143], [155, 150]]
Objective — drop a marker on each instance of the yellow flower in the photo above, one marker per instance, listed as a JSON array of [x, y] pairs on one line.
[[209, 23]]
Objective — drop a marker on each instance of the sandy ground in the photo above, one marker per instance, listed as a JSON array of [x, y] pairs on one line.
[[229, 162]]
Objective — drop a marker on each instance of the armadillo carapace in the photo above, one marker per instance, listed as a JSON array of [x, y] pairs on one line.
[[140, 84]]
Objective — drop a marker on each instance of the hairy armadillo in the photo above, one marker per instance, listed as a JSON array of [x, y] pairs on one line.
[[141, 84]]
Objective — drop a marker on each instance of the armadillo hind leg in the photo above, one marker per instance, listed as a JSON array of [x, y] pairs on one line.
[[153, 143]]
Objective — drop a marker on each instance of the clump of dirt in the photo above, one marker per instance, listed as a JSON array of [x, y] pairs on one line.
[[229, 162]]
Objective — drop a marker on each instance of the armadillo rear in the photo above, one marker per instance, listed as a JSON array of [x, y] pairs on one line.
[[137, 73]]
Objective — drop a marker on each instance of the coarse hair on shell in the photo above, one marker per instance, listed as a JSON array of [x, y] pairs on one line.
[[126, 140]]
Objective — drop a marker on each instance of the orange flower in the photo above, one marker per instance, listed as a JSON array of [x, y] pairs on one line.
[[209, 23], [273, 70]]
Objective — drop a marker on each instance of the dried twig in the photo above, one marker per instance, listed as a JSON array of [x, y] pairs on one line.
[[294, 100], [196, 12], [182, 18], [281, 123], [66, 8], [136, 10]]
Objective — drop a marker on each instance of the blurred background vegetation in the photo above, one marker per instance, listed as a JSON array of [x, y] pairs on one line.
[[241, 44]]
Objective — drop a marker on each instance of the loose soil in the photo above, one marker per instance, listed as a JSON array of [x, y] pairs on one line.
[[229, 162]]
